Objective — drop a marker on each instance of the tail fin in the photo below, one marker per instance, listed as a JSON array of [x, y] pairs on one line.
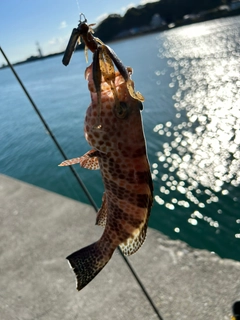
[[88, 262]]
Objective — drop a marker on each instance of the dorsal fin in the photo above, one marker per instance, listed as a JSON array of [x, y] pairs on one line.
[[102, 213], [89, 160], [132, 244]]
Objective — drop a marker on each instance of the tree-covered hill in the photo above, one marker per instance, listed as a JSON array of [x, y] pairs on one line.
[[169, 10]]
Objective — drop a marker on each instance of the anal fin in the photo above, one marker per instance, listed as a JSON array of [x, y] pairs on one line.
[[132, 244], [88, 161]]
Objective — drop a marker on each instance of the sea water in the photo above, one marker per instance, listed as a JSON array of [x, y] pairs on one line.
[[190, 78]]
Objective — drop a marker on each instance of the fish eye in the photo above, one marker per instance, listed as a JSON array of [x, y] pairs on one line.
[[121, 110]]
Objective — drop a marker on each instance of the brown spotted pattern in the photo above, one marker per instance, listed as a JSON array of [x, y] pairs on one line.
[[116, 136], [89, 161]]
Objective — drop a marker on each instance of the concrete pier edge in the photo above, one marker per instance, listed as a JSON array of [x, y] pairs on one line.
[[40, 228]]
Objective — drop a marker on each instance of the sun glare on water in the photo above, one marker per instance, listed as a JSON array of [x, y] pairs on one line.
[[200, 154]]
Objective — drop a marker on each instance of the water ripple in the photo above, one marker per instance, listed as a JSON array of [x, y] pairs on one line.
[[199, 160]]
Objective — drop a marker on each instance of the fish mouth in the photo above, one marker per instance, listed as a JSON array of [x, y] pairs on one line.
[[105, 86]]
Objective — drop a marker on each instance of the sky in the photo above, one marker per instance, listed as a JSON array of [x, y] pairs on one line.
[[23, 23]]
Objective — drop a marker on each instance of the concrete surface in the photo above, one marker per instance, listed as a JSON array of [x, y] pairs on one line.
[[39, 229]]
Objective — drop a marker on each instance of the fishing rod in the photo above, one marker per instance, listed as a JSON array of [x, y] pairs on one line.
[[81, 183], [49, 131]]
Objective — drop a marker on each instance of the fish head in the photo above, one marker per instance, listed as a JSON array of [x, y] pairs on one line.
[[113, 122]]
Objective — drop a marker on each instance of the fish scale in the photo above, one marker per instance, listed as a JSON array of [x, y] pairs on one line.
[[113, 128]]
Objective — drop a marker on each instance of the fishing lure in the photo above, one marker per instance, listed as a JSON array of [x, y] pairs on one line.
[[85, 32], [113, 128], [102, 53]]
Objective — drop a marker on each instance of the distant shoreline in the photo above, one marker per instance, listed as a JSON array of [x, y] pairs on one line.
[[183, 22]]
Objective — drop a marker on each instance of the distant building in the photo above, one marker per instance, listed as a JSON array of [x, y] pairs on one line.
[[40, 55], [157, 21], [191, 16], [235, 4]]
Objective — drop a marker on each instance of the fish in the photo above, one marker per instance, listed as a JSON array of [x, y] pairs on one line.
[[114, 130]]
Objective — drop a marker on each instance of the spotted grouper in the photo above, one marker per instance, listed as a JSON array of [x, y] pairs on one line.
[[114, 131]]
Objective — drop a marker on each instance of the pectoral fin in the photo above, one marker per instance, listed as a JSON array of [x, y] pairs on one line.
[[89, 160]]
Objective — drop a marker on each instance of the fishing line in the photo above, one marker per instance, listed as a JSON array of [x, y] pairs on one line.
[[81, 183], [78, 6]]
